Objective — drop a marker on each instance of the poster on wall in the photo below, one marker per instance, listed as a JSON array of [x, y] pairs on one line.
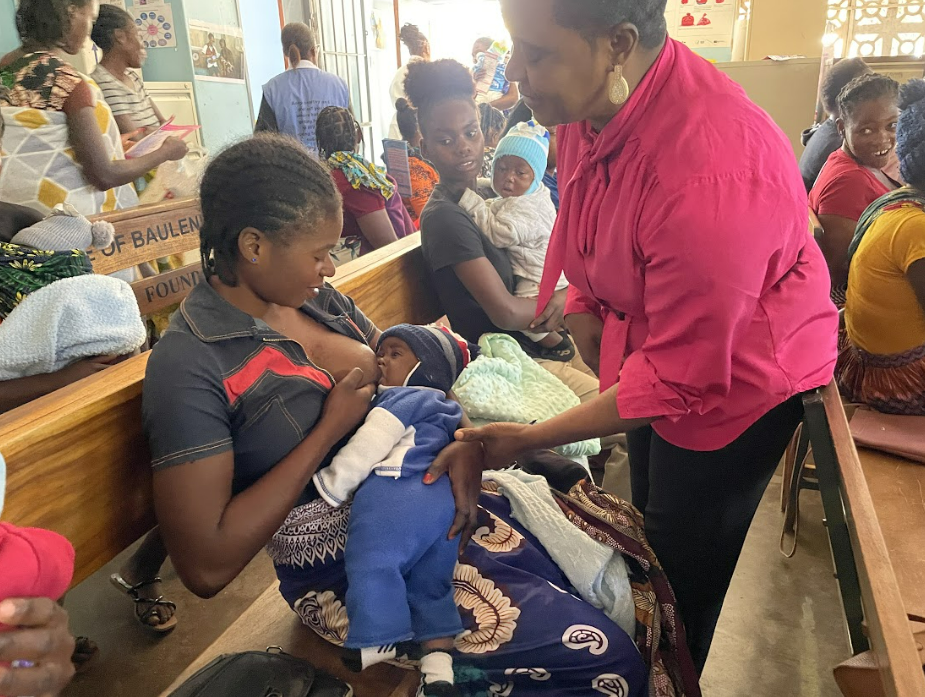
[[155, 25], [218, 52], [118, 3], [702, 23]]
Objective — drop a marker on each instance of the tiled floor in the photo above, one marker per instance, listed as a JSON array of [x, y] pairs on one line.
[[779, 636]]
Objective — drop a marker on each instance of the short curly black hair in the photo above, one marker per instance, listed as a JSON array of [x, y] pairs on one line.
[[429, 85], [268, 182], [591, 17], [866, 88], [108, 22], [45, 22]]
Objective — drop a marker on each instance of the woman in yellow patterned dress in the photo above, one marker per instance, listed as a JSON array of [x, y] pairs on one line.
[[62, 143]]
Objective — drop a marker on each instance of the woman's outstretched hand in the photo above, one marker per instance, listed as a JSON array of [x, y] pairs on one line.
[[503, 442], [464, 462]]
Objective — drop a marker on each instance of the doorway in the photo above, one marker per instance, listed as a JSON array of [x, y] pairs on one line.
[[342, 32]]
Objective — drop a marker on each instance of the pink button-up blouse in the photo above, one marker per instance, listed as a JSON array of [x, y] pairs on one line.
[[684, 228]]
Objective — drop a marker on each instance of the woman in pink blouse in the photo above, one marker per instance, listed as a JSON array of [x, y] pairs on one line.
[[697, 293]]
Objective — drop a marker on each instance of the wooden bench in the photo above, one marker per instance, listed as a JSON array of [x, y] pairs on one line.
[[868, 563], [147, 233], [78, 462]]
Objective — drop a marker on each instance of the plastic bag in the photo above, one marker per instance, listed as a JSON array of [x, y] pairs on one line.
[[178, 179]]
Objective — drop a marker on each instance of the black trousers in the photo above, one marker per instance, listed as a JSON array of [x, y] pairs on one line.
[[698, 507]]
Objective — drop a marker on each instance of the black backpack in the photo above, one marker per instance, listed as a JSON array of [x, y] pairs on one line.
[[261, 674]]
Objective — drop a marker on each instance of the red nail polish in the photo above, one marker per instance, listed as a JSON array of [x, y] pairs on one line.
[[428, 478]]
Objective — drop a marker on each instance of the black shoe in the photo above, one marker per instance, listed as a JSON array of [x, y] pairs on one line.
[[437, 689], [563, 352]]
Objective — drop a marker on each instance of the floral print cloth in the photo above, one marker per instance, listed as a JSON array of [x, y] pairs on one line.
[[528, 632], [24, 270]]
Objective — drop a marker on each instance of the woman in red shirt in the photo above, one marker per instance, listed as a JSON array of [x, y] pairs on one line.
[[853, 176], [374, 214]]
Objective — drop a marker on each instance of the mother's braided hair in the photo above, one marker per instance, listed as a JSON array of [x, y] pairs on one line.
[[268, 182]]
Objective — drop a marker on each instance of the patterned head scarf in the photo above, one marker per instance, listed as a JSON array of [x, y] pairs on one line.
[[24, 270], [338, 134]]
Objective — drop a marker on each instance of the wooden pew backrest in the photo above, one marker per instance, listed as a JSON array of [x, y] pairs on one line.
[[391, 285], [888, 627], [167, 289], [78, 464], [149, 232], [78, 461]]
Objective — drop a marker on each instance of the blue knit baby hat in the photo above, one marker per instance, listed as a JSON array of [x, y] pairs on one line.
[[530, 142], [910, 133], [443, 355]]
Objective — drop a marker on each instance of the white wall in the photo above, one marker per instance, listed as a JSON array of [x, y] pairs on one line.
[[786, 90], [260, 22], [454, 27]]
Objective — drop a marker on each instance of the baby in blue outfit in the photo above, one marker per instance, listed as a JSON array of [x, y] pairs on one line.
[[398, 559]]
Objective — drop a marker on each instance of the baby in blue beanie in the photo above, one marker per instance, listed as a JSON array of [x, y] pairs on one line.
[[398, 559], [521, 221]]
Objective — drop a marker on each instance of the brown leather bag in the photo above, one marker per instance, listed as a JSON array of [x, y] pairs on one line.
[[859, 676], [897, 435]]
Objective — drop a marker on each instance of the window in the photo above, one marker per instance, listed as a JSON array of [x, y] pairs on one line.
[[876, 27]]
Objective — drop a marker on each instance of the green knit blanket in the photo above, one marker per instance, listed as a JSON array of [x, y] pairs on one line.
[[504, 384]]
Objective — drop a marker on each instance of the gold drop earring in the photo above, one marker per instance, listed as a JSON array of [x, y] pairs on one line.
[[619, 87]]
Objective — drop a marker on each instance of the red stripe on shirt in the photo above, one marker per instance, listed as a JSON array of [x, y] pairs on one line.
[[270, 360]]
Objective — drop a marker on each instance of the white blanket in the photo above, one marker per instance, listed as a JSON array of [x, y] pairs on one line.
[[66, 321], [596, 571]]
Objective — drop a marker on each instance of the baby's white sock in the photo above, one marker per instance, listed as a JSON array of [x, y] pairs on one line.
[[360, 659], [437, 667]]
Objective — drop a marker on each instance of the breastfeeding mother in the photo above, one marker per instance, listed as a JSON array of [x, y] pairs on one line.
[[261, 374], [695, 286]]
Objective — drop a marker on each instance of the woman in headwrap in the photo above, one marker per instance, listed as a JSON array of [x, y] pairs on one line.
[[374, 214]]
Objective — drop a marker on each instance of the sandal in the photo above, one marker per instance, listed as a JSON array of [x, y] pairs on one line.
[[154, 603]]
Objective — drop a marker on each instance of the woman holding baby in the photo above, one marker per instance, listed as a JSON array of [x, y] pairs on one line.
[[257, 385]]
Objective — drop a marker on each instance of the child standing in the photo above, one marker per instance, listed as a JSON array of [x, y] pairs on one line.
[[396, 540], [521, 221]]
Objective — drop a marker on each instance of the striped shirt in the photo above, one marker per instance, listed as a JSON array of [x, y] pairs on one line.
[[125, 101]]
